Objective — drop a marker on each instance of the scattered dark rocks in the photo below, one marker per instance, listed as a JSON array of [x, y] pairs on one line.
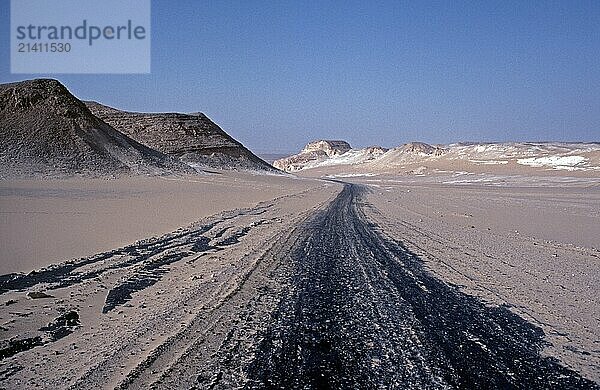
[[12, 347], [234, 238], [38, 295], [62, 326], [201, 245]]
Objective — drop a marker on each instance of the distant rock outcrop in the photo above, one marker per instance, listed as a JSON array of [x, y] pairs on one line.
[[312, 153], [419, 158], [328, 153], [193, 138], [421, 148], [327, 147], [45, 130]]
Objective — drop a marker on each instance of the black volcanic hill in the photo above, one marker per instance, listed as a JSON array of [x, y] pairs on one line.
[[45, 130], [194, 138]]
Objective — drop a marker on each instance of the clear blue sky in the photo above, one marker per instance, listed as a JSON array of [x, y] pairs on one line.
[[277, 74]]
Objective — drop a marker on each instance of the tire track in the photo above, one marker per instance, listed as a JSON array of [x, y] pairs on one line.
[[362, 312]]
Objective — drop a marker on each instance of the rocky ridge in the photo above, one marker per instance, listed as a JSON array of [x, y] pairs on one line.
[[329, 148], [46, 131], [193, 138], [419, 157], [314, 152]]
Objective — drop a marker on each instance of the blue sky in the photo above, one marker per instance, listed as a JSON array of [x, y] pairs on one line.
[[277, 74]]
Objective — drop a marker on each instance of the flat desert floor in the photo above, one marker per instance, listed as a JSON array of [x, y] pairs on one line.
[[534, 249], [47, 221], [251, 281]]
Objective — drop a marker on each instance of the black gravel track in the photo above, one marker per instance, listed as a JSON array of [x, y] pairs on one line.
[[363, 313]]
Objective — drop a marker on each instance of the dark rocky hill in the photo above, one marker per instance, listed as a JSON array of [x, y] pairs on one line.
[[45, 130], [193, 138]]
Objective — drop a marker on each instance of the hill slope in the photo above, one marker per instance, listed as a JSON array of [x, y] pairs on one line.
[[193, 138], [45, 130]]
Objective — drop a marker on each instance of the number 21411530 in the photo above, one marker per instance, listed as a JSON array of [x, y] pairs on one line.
[[56, 47]]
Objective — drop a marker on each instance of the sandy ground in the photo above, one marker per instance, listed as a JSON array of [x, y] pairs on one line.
[[145, 304], [46, 221], [532, 248], [459, 169], [189, 307]]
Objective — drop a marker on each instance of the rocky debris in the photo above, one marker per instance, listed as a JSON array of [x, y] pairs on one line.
[[38, 295], [46, 131], [62, 326], [193, 138], [12, 347]]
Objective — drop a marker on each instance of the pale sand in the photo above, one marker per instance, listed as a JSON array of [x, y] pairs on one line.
[[531, 248], [196, 300], [446, 167], [47, 221]]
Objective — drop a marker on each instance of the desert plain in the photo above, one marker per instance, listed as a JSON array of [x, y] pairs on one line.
[[190, 281], [155, 251]]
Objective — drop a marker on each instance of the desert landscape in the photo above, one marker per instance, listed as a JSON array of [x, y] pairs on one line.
[[156, 251]]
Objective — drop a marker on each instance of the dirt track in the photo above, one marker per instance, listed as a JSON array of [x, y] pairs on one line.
[[362, 313], [256, 298]]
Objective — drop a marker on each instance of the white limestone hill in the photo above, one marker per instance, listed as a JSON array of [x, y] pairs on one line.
[[421, 158]]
